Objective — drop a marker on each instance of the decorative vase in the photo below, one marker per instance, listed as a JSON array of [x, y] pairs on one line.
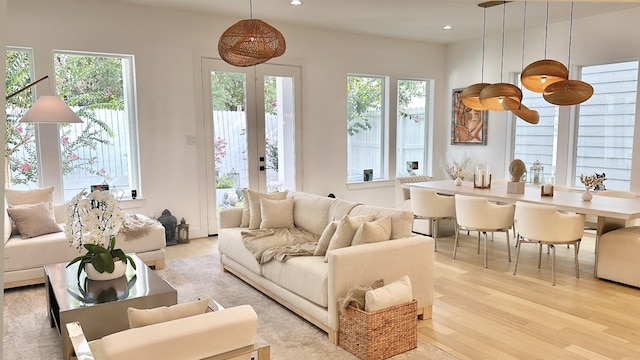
[[586, 195], [457, 181], [93, 274]]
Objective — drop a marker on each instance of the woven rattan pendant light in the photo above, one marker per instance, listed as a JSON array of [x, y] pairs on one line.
[[568, 92], [492, 96], [470, 96], [540, 74], [250, 42]]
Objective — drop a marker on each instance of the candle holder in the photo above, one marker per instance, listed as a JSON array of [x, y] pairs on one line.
[[546, 190], [483, 184]]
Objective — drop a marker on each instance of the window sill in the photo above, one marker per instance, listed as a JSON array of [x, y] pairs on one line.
[[371, 184], [126, 204]]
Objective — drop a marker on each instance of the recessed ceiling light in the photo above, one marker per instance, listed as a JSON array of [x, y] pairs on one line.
[[447, 27], [296, 2]]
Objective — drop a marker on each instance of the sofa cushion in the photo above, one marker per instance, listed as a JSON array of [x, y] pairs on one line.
[[401, 220], [33, 219], [276, 214], [339, 208], [311, 212], [306, 276], [373, 231], [397, 293], [343, 236], [144, 317], [255, 217], [21, 197], [36, 252], [325, 238], [244, 222]]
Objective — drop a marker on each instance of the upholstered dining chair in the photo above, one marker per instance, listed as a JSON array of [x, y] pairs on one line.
[[427, 204], [545, 225], [478, 214]]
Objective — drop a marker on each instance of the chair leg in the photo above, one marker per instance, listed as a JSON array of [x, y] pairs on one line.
[[576, 247], [518, 245], [508, 246], [539, 255], [553, 263], [434, 229], [485, 250], [479, 242], [455, 243]]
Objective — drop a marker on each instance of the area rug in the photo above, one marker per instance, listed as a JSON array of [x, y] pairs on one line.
[[27, 334]]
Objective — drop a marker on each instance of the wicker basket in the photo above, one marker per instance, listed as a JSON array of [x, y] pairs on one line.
[[380, 334]]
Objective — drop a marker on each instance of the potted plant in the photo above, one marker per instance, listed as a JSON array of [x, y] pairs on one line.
[[93, 221]]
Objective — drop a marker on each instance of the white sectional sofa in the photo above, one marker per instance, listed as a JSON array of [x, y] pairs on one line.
[[24, 258], [308, 285]]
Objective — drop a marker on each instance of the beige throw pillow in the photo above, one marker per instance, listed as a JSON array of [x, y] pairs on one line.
[[325, 238], [347, 227], [397, 293], [276, 214], [244, 222], [33, 220], [255, 216], [374, 231], [144, 317]]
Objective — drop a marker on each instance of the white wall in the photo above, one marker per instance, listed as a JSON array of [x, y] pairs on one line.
[[595, 40], [164, 43]]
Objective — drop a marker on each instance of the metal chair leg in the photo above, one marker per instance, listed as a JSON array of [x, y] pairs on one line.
[[455, 243], [539, 255], [485, 251], [508, 246], [434, 233], [576, 247], [518, 244], [553, 264]]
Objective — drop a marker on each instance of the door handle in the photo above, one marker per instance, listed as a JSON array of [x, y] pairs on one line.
[[261, 167]]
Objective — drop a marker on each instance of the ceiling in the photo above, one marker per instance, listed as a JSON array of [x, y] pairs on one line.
[[404, 19]]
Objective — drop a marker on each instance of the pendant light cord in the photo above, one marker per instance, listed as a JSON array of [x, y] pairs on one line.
[[524, 29], [546, 31], [484, 35], [570, 34], [504, 11]]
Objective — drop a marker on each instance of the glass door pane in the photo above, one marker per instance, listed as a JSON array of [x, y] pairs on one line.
[[228, 96]]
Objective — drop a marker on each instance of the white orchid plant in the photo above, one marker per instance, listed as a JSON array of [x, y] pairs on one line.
[[93, 221]]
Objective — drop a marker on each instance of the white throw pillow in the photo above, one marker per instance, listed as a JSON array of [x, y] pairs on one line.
[[144, 317], [33, 220], [397, 293], [325, 238], [374, 231], [347, 227], [276, 214], [255, 216], [21, 197]]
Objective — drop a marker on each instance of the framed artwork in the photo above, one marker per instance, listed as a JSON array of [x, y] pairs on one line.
[[468, 126]]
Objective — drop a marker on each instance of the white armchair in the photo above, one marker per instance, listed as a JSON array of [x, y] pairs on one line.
[[427, 204], [478, 214], [545, 225], [225, 334]]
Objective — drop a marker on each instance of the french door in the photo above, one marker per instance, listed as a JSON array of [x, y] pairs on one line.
[[252, 130]]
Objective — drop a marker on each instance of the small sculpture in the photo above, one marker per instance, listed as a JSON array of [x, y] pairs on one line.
[[516, 169], [170, 223]]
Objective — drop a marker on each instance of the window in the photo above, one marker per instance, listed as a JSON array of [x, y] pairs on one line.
[[606, 124], [21, 168], [537, 142], [411, 127], [365, 127], [99, 88], [603, 125]]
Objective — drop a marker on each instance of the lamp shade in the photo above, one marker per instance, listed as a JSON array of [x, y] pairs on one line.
[[50, 109], [568, 92], [470, 96], [250, 42], [493, 95], [540, 74], [521, 111]]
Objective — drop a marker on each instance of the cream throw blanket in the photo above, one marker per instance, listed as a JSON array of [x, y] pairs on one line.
[[279, 244], [136, 226]]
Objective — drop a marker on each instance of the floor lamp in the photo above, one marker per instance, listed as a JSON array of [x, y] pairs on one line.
[[47, 109]]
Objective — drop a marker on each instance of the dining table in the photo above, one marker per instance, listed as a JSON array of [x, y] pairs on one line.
[[611, 212]]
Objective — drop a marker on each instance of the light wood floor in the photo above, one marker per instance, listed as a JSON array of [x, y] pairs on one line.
[[488, 313]]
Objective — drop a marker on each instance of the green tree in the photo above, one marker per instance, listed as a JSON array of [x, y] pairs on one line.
[[364, 94], [86, 83], [228, 92]]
